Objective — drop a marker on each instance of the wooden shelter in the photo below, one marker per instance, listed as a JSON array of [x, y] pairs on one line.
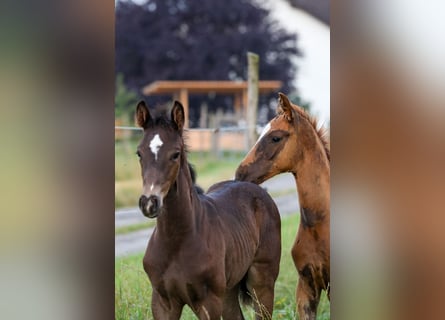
[[180, 90]]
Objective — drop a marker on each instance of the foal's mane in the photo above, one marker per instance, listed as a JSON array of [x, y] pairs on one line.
[[161, 120], [322, 132]]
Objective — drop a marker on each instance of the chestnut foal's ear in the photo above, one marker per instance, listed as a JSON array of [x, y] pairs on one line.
[[177, 115], [285, 107], [143, 116]]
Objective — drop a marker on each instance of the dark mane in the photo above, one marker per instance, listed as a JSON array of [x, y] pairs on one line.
[[322, 132], [193, 175], [163, 121]]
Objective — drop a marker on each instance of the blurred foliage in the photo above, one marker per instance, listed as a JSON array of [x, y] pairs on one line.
[[125, 99], [200, 40]]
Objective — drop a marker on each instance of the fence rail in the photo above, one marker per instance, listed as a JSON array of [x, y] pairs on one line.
[[127, 128], [215, 140], [222, 129]]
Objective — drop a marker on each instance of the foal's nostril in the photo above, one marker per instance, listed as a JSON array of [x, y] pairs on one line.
[[143, 201], [150, 205], [153, 204]]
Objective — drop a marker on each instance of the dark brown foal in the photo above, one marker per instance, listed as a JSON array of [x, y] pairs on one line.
[[206, 249]]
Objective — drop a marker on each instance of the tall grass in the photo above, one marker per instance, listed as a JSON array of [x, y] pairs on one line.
[[133, 289]]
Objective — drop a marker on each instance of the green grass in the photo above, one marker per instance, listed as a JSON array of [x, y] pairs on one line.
[[133, 290], [135, 227], [128, 182]]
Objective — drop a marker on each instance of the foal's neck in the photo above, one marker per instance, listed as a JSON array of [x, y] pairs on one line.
[[179, 208], [312, 175]]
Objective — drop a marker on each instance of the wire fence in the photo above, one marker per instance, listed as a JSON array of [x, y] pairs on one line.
[[212, 151], [215, 140]]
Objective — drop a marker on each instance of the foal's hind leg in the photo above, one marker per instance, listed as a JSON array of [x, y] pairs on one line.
[[260, 283], [262, 274], [231, 307]]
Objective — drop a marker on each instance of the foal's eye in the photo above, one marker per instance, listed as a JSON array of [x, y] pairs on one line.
[[276, 139], [138, 154], [175, 156]]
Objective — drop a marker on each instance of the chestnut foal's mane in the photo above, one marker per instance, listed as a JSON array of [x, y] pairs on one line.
[[322, 132]]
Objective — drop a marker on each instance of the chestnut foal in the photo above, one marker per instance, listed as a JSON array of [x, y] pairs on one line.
[[291, 143]]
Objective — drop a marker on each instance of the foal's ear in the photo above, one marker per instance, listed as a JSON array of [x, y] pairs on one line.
[[285, 107], [143, 116], [177, 115]]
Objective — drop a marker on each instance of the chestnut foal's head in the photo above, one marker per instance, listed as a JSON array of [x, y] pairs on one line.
[[276, 147]]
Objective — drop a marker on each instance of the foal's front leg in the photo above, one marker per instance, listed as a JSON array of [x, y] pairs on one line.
[[307, 300], [163, 309], [308, 291]]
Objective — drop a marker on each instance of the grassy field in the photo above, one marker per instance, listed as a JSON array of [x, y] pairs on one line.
[[128, 182], [135, 227], [133, 290]]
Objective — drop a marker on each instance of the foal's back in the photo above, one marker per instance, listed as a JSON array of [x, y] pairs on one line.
[[242, 200]]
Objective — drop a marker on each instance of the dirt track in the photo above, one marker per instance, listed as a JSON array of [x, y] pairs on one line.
[[136, 242]]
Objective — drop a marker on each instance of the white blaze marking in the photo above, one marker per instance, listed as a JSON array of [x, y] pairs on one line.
[[155, 145], [263, 133], [151, 187]]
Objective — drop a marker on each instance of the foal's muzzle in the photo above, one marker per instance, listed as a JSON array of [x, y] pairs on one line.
[[241, 173], [150, 206], [249, 174], [244, 174]]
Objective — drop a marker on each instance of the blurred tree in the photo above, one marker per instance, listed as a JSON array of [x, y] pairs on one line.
[[200, 40], [124, 101]]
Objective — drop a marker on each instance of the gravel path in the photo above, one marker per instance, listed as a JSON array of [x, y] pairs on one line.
[[136, 242]]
